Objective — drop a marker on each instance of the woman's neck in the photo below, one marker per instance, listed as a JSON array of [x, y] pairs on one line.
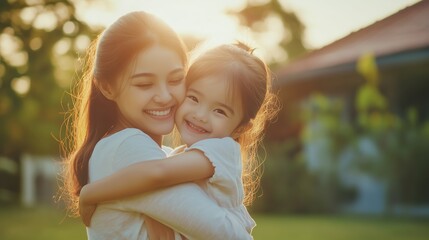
[[158, 139]]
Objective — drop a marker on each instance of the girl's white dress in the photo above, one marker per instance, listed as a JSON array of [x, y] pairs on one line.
[[185, 207], [226, 186]]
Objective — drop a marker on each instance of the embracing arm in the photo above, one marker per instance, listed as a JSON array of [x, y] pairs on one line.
[[147, 176], [185, 208]]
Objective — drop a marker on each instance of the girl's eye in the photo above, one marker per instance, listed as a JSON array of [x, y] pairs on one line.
[[192, 98], [220, 111]]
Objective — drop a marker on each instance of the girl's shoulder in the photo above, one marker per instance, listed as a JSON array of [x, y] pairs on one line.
[[226, 143], [225, 156], [224, 150]]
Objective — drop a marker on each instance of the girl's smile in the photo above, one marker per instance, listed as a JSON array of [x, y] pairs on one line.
[[195, 128]]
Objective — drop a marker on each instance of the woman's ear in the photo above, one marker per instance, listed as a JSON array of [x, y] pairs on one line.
[[107, 90], [241, 129]]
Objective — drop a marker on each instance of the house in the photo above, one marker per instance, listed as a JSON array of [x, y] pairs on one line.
[[400, 43]]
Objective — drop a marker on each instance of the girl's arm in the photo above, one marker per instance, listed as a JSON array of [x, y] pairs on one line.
[[147, 176]]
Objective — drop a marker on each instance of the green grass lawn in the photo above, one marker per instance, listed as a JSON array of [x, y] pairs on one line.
[[300, 227], [44, 223], [41, 223]]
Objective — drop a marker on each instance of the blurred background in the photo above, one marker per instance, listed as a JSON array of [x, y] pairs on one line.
[[347, 157]]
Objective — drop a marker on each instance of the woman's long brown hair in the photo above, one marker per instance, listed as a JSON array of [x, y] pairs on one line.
[[106, 61]]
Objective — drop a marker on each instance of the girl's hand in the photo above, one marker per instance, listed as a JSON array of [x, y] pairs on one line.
[[178, 150], [86, 211]]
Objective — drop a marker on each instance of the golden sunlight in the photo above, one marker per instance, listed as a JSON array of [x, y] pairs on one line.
[[206, 20]]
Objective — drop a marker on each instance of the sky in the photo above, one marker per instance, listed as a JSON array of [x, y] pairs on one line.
[[325, 20]]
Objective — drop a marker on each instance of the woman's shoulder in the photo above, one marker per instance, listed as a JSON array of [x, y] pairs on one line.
[[127, 133], [130, 132], [129, 138], [131, 146]]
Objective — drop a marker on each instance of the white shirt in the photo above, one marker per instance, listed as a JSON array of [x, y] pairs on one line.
[[225, 186], [185, 208]]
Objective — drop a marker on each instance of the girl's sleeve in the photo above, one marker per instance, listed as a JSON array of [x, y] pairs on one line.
[[187, 209], [224, 154], [225, 186]]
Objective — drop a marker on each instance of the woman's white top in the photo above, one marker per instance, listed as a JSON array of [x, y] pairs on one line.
[[225, 186], [185, 208]]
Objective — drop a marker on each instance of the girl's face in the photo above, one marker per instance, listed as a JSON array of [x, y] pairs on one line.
[[208, 111], [149, 98]]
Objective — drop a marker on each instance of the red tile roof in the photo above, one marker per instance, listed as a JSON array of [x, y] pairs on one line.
[[406, 30]]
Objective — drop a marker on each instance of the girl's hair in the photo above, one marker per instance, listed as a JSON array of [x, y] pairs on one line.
[[107, 60], [250, 79]]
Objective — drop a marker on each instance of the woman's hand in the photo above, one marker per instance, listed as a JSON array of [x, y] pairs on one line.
[[85, 210], [158, 231]]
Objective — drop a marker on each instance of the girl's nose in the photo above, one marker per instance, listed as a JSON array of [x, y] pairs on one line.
[[200, 115]]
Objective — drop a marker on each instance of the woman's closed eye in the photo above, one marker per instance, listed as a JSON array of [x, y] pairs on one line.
[[144, 85], [176, 81]]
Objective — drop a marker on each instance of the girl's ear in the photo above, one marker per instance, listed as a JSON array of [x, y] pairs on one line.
[[107, 90], [241, 129]]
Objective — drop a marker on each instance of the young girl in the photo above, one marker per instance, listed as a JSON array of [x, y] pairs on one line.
[[227, 103], [129, 94]]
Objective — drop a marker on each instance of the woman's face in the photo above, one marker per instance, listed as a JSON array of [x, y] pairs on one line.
[[149, 98]]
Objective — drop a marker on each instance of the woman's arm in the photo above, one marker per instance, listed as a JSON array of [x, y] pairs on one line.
[[187, 209], [147, 176], [157, 230]]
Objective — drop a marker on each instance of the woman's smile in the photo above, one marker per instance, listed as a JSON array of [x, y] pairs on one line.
[[160, 113]]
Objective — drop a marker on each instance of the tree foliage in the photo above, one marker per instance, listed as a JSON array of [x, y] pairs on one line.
[[256, 17], [40, 41]]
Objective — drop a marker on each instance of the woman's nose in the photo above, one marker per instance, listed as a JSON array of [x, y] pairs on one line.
[[163, 95]]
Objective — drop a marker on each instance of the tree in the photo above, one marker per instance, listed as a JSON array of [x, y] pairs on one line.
[[40, 41], [256, 17]]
